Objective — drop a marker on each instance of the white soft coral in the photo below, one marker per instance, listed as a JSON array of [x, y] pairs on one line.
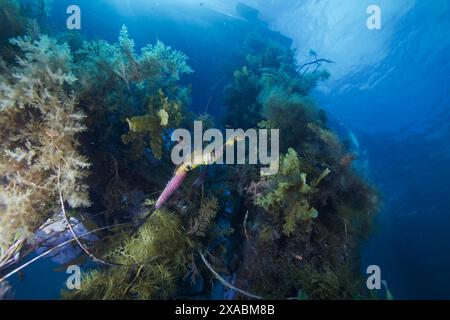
[[40, 122]]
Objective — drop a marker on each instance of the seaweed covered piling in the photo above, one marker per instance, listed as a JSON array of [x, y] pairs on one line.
[[89, 126]]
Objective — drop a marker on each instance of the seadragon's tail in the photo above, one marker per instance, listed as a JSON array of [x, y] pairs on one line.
[[171, 187]]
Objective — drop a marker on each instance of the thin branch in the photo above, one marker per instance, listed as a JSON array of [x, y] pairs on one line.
[[317, 61], [246, 233], [77, 240], [8, 258], [51, 250], [224, 282], [82, 246]]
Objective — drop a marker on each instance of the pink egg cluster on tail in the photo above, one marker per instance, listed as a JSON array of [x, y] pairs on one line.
[[171, 187]]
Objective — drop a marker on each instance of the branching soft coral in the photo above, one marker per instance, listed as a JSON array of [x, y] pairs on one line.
[[158, 66], [20, 17], [40, 123], [171, 63]]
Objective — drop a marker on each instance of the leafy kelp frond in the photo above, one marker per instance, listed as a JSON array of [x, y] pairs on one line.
[[290, 194], [161, 114]]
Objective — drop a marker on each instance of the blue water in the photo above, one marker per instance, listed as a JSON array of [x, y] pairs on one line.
[[390, 87], [43, 280]]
